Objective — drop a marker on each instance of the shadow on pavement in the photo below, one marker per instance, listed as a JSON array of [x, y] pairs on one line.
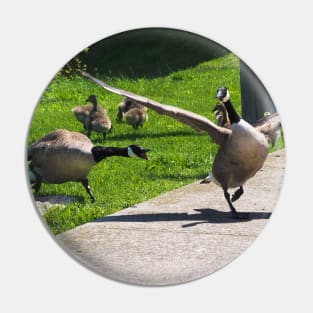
[[206, 215]]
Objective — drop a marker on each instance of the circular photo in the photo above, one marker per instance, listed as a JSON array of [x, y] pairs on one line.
[[155, 157]]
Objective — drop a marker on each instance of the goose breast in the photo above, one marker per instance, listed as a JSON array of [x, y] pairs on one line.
[[241, 157]]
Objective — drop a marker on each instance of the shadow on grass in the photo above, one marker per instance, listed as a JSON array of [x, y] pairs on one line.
[[203, 216], [58, 199]]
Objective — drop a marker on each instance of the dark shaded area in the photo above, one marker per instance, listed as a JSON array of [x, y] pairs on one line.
[[203, 216], [48, 197], [148, 52], [255, 99]]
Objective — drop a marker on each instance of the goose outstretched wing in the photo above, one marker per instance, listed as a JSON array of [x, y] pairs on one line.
[[195, 121], [271, 121]]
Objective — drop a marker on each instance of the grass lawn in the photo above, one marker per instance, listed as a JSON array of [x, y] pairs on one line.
[[179, 155]]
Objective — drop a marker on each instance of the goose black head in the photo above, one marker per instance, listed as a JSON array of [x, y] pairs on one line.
[[136, 151], [223, 94], [92, 99]]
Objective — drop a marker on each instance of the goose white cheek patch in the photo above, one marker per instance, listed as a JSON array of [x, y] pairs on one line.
[[227, 97], [131, 153], [152, 223]]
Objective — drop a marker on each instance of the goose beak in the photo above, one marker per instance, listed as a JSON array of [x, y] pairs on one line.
[[144, 154], [220, 95]]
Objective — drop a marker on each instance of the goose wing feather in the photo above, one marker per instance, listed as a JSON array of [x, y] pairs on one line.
[[60, 139], [269, 124], [61, 156], [195, 121]]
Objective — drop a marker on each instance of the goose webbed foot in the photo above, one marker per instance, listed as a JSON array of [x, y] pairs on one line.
[[237, 194], [87, 188]]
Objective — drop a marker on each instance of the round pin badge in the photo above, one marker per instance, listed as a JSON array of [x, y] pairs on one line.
[[155, 157]]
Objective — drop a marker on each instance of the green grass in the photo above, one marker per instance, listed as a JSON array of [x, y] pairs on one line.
[[179, 155]]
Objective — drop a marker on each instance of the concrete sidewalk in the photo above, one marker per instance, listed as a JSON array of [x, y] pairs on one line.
[[179, 236]]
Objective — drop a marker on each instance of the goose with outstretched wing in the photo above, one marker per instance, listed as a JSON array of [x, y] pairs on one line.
[[242, 149]]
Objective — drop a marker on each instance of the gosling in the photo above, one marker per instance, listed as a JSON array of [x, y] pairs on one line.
[[125, 106], [136, 117], [81, 113], [98, 119]]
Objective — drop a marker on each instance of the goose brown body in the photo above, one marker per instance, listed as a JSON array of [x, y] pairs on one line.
[[62, 156], [240, 157], [99, 121]]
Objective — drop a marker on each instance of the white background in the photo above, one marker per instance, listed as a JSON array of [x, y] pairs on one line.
[[274, 38]]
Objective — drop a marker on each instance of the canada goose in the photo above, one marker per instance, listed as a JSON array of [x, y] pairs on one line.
[[64, 155], [98, 119], [136, 117], [221, 115], [243, 148], [127, 105]]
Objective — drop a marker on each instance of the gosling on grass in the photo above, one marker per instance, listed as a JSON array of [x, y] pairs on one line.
[[135, 117], [81, 113], [98, 120], [126, 105]]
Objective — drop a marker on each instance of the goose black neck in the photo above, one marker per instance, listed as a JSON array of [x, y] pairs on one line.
[[232, 114], [95, 106], [100, 153]]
